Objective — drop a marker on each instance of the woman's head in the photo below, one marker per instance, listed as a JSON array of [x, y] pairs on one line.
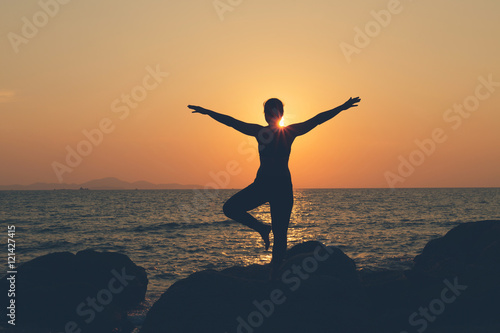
[[273, 110]]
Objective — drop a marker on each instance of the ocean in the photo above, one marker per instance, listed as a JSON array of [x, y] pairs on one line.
[[173, 233]]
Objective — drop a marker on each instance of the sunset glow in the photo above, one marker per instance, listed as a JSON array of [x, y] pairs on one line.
[[101, 89]]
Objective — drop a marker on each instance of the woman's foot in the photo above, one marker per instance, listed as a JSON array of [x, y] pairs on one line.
[[274, 270], [265, 236]]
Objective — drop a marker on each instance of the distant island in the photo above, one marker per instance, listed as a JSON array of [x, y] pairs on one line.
[[109, 183]]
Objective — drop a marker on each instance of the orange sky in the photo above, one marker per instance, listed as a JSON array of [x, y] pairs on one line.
[[67, 67]]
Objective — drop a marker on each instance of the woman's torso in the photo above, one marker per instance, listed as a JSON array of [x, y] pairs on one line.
[[274, 152]]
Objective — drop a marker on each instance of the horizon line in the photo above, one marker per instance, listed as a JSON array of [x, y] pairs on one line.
[[240, 188]]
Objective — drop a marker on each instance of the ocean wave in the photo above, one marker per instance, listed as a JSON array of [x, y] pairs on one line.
[[166, 276], [52, 229], [46, 247], [176, 225], [50, 245], [169, 225], [12, 221], [66, 206]]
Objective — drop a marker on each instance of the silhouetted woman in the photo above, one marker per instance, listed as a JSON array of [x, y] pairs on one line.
[[273, 182]]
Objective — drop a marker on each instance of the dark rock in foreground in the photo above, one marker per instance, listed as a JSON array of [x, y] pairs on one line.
[[64, 292], [469, 247], [454, 287], [319, 291]]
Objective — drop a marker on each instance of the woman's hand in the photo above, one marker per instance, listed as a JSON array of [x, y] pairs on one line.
[[352, 102], [198, 109]]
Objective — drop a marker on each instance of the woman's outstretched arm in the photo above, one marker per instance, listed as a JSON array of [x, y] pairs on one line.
[[306, 126], [245, 128]]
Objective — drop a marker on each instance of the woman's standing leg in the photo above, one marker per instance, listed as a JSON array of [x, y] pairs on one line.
[[238, 205], [281, 208]]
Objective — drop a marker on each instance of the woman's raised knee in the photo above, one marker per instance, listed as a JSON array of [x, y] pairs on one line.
[[229, 209]]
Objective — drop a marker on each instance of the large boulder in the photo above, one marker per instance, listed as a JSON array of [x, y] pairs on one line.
[[462, 271], [453, 286], [64, 292], [318, 290], [469, 247]]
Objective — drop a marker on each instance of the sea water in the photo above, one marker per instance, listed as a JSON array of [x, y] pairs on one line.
[[173, 233]]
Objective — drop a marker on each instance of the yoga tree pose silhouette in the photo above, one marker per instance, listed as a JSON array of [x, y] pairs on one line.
[[273, 182]]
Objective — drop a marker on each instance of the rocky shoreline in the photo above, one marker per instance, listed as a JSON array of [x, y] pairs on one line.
[[454, 286]]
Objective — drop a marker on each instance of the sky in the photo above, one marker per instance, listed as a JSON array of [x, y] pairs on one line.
[[93, 89]]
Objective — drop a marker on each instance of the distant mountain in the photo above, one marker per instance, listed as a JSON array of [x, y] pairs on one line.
[[109, 183]]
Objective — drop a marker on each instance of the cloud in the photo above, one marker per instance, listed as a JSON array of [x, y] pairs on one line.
[[6, 95]]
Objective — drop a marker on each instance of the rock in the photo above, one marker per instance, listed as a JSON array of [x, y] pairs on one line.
[[336, 264], [91, 291], [110, 265], [319, 291], [453, 287], [468, 256], [469, 247], [453, 284]]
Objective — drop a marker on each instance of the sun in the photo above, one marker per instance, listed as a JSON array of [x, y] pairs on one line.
[[282, 122]]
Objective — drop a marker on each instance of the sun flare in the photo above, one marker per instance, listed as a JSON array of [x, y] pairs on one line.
[[282, 122]]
